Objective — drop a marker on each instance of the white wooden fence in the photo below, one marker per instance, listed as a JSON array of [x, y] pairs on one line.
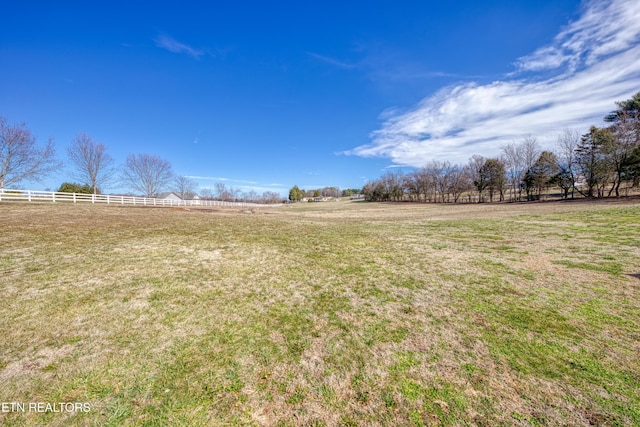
[[55, 197]]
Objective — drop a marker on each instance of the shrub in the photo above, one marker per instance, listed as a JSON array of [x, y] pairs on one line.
[[72, 187]]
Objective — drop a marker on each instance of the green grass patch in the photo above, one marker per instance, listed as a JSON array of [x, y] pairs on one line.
[[604, 266]]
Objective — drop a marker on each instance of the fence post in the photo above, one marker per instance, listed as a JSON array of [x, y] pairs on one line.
[[53, 197]]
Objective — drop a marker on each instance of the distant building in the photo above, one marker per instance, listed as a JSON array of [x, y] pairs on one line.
[[318, 199], [169, 196]]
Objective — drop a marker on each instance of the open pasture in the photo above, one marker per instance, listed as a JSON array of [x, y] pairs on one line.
[[322, 314]]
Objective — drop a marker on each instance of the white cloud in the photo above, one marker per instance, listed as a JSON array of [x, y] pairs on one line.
[[606, 27], [597, 62], [242, 185], [332, 61], [247, 188], [172, 45], [218, 178]]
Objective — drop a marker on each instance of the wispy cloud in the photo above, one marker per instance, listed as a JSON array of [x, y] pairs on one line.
[[332, 61], [172, 45], [594, 61], [239, 184], [605, 28], [380, 65], [220, 179], [257, 188]]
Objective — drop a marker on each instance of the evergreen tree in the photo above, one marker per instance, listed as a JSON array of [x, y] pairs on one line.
[[539, 176], [72, 187], [296, 194], [592, 161], [626, 129], [492, 178]]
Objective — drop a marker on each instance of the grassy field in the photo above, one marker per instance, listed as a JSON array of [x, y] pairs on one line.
[[322, 314]]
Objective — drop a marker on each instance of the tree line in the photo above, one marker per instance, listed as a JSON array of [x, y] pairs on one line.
[[22, 159], [594, 164], [296, 194]]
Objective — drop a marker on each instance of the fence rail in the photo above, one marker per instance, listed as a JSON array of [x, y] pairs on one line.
[[108, 199]]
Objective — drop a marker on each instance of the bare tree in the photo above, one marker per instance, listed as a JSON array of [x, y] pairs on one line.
[[426, 185], [20, 157], [222, 192], [518, 159], [568, 141], [514, 166], [206, 193], [411, 185], [253, 196], [184, 187], [441, 176], [93, 165], [393, 189], [271, 197], [147, 174], [459, 181], [330, 192], [236, 194], [530, 151]]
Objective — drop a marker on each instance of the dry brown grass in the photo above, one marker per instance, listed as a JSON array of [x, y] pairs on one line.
[[323, 314]]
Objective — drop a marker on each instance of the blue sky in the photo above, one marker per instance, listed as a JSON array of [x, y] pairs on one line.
[[265, 95]]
